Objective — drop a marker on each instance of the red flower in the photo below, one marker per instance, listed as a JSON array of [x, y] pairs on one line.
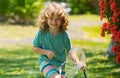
[[116, 49], [102, 4], [113, 48], [115, 17], [113, 5], [118, 59], [105, 28], [111, 11], [116, 36], [113, 28], [102, 34]]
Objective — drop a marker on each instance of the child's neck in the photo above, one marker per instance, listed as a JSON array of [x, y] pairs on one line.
[[54, 32]]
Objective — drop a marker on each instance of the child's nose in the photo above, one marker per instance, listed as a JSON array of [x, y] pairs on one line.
[[54, 21]]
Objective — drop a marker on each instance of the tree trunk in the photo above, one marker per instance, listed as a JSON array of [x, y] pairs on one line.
[[109, 51]]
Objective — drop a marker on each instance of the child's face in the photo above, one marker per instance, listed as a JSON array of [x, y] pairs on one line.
[[54, 22]]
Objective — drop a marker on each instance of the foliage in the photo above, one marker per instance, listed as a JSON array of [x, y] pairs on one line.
[[27, 10], [4, 6], [21, 11], [82, 6], [4, 9], [110, 9]]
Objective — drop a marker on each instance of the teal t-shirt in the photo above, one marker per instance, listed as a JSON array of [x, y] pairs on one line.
[[59, 44]]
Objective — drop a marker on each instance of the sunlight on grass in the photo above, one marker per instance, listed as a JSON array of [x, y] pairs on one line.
[[94, 31], [86, 17], [93, 35], [16, 32], [90, 44], [19, 61]]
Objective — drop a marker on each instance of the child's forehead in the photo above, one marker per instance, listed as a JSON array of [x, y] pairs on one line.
[[54, 16]]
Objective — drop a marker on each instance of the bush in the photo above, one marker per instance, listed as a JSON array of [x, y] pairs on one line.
[[83, 6], [110, 9], [21, 11]]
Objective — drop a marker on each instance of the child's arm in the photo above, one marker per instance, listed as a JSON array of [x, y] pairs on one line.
[[74, 57], [79, 63], [48, 53]]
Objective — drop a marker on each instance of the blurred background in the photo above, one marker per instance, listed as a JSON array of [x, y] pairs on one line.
[[25, 11], [19, 23]]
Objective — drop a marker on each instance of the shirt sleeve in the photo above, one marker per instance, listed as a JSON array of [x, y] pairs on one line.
[[37, 41], [67, 42]]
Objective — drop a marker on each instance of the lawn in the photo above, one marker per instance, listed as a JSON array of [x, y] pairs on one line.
[[19, 61]]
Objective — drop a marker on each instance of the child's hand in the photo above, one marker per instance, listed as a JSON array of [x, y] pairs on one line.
[[81, 65], [74, 57], [50, 54]]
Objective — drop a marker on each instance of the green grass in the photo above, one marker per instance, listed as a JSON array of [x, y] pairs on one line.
[[85, 16], [89, 44], [94, 31], [19, 61], [16, 32]]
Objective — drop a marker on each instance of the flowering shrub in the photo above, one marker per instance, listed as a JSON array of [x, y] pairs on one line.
[[110, 9]]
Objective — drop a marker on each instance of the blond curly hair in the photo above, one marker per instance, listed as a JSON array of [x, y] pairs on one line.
[[50, 10]]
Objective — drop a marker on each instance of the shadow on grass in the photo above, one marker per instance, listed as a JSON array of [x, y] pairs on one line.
[[20, 62], [100, 66]]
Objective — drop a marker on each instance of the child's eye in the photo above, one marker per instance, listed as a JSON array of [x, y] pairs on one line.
[[58, 19], [51, 18]]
